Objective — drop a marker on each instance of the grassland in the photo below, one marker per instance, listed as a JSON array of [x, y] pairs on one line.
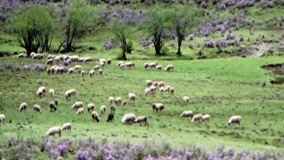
[[219, 87]]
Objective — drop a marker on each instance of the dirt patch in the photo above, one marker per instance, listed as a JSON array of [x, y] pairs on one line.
[[277, 70]]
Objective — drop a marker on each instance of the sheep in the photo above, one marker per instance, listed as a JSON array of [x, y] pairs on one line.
[[161, 84], [128, 118], [66, 126], [53, 105], [150, 65], [32, 54], [23, 106], [87, 59], [103, 109], [91, 73], [141, 119], [152, 89], [37, 108], [185, 99], [91, 107], [130, 64], [77, 105], [82, 72], [147, 91], [149, 82], [102, 62], [111, 100], [172, 90], [51, 92], [158, 107], [186, 114], [118, 101], [234, 119], [112, 109], [74, 58], [159, 67], [21, 55], [78, 68], [80, 111], [169, 68], [2, 118], [41, 91], [96, 67], [37, 56], [54, 130], [70, 70], [100, 71], [110, 117], [205, 117], [119, 64], [196, 117], [69, 93], [162, 90], [95, 116], [132, 96], [49, 61]]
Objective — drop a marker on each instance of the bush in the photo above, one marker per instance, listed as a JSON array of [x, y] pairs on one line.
[[165, 50], [129, 47]]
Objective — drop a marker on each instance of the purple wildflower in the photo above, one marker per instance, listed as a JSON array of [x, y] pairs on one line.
[[82, 155]]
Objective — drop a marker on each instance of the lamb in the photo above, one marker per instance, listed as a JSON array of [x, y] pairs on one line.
[[205, 117], [132, 96], [197, 117], [77, 105], [111, 100], [95, 116], [51, 92], [69, 93], [2, 118], [54, 130], [80, 111], [234, 119], [103, 109], [158, 107], [53, 105], [91, 73], [41, 91], [185, 99], [186, 114], [110, 117], [91, 107], [141, 119], [128, 118], [118, 101], [66, 126], [169, 68], [37, 108], [23, 106]]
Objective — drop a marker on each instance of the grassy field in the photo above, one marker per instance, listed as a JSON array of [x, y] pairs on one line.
[[219, 87]]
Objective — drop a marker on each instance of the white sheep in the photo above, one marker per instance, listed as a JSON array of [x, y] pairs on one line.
[[95, 116], [147, 91], [37, 56], [205, 117], [87, 59], [169, 68], [152, 89], [54, 130], [78, 68], [69, 93], [41, 91], [159, 67], [91, 107], [74, 58], [132, 96], [21, 55], [100, 71], [186, 114], [111, 100], [82, 72], [141, 119], [91, 73], [185, 99], [66, 127], [130, 64], [70, 70], [158, 107], [162, 89], [118, 101], [103, 109], [149, 82], [23, 106], [2, 118], [236, 119], [37, 108], [77, 105], [49, 61], [172, 90], [196, 117], [161, 84], [80, 111], [51, 92], [96, 67], [128, 118]]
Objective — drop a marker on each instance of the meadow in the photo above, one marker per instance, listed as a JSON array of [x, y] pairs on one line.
[[219, 87]]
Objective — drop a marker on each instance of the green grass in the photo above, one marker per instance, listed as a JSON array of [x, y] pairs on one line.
[[219, 87]]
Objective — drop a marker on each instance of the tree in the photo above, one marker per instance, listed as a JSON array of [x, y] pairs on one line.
[[157, 26], [121, 32], [182, 19], [76, 23], [34, 30]]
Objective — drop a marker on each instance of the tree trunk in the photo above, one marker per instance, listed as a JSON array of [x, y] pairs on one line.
[[123, 48], [158, 49], [179, 45]]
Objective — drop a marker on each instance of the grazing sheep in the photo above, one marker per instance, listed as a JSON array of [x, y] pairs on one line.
[[100, 71], [82, 72], [21, 55], [112, 109], [128, 118], [172, 90], [103, 109], [196, 117], [80, 111], [120, 64], [162, 90], [161, 84], [130, 64], [54, 130], [149, 82], [91, 73], [91, 107], [118, 101], [110, 117], [77, 105], [96, 67], [147, 91], [141, 119], [111, 100], [132, 97], [51, 92], [159, 67], [49, 61], [37, 56], [152, 89], [186, 114], [150, 65], [87, 59], [95, 116], [78, 68], [69, 93], [70, 70], [41, 91], [2, 118], [169, 68], [158, 107], [205, 117], [23, 106], [37, 108], [74, 58], [66, 126], [53, 105], [185, 99], [235, 119]]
